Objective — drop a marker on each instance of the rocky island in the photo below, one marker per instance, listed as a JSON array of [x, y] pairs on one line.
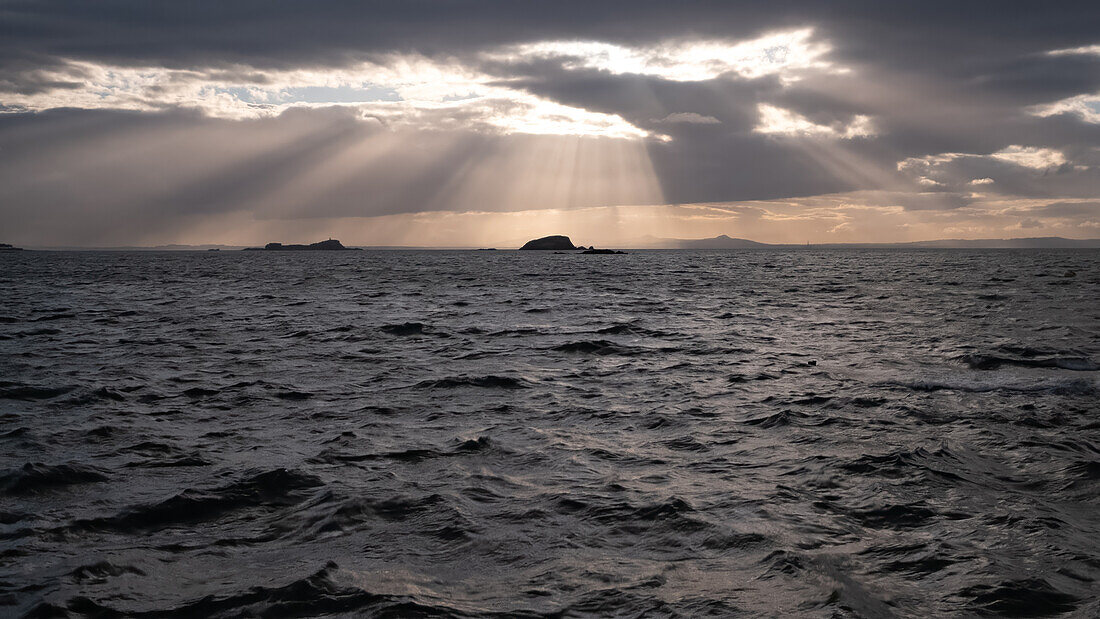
[[560, 243], [329, 245], [556, 242]]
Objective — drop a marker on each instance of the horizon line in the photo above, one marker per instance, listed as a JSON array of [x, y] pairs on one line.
[[655, 245]]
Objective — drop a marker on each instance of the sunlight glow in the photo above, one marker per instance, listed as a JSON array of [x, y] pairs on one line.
[[929, 161], [409, 90], [1077, 51], [775, 120], [1087, 107], [1025, 156], [400, 91], [826, 218], [783, 53], [1030, 157]]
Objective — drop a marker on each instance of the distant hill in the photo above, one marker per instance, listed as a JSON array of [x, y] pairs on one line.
[[718, 242]]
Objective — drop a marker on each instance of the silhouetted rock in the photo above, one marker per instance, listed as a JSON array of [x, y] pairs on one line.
[[592, 250], [550, 242], [329, 245], [7, 247]]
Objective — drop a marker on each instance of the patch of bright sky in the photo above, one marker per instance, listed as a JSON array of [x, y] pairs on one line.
[[1085, 106], [406, 88], [778, 121], [368, 93], [400, 91], [1077, 51], [782, 53], [1025, 156], [1031, 157]]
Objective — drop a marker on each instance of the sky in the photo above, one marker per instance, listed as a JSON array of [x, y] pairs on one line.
[[126, 122]]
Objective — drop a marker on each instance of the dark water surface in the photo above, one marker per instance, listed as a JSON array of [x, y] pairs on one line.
[[740, 433]]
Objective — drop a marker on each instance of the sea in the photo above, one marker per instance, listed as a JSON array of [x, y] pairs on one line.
[[757, 433]]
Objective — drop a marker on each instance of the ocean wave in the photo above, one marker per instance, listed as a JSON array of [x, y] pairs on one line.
[[993, 362], [628, 328], [482, 382], [783, 418], [481, 444], [1028, 597], [319, 594], [407, 329], [38, 477], [16, 391], [673, 513], [101, 571], [597, 347], [1008, 383], [274, 488]]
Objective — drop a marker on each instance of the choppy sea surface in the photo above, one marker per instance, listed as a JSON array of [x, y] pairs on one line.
[[808, 433]]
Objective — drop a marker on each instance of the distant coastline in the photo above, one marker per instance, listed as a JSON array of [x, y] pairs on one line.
[[726, 242]]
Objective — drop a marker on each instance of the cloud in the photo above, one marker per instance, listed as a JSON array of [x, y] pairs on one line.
[[404, 91], [777, 121], [785, 53], [1086, 107], [1067, 210], [1025, 171], [139, 115], [1026, 224], [1030, 157], [690, 118], [1076, 51]]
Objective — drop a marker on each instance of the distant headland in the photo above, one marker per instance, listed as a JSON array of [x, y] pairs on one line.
[[9, 247], [329, 245]]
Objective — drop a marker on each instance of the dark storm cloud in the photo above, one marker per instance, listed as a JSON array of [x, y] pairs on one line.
[[285, 33], [646, 100], [933, 77], [924, 34]]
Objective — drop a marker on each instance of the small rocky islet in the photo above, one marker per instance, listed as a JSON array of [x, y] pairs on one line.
[[329, 245]]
